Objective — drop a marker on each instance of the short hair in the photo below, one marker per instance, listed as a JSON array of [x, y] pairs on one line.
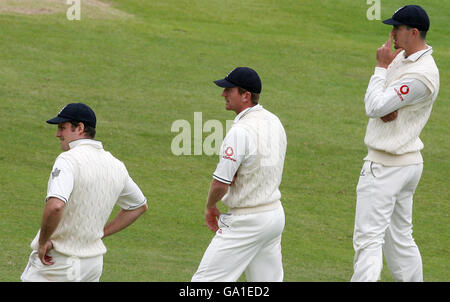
[[254, 96], [423, 33], [88, 130]]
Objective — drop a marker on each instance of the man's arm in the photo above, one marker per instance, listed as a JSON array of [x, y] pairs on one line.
[[382, 102], [133, 204], [232, 153], [217, 190], [53, 211], [385, 103], [123, 219]]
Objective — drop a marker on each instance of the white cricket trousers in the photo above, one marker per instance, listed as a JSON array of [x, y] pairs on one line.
[[245, 243], [65, 269], [383, 223]]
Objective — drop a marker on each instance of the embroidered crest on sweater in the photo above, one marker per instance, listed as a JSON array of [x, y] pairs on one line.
[[55, 173]]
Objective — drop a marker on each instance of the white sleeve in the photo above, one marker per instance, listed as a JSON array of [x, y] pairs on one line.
[[131, 197], [60, 183], [232, 152], [380, 100]]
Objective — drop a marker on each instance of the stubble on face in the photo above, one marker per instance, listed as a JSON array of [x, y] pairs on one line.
[[66, 133]]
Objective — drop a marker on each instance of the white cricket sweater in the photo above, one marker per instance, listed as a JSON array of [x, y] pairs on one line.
[[397, 142], [99, 178], [257, 184]]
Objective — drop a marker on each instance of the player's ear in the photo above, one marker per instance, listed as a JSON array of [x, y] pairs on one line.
[[80, 126], [248, 96]]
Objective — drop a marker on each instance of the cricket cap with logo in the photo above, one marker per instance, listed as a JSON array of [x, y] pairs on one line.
[[411, 15], [75, 112], [243, 77]]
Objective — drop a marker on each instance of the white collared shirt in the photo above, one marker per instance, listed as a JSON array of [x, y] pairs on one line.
[[85, 141], [61, 180], [380, 100], [238, 147]]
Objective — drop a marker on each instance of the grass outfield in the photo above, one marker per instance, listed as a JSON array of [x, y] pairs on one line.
[[141, 65]]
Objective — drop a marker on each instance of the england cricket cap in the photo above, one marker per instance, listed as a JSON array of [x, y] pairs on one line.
[[75, 112], [243, 77], [411, 15]]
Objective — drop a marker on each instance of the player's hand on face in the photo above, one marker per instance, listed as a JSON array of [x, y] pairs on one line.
[[385, 55], [390, 117], [211, 218], [42, 252]]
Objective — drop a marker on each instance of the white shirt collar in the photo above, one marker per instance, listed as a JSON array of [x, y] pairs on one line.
[[85, 141], [415, 56], [245, 111]]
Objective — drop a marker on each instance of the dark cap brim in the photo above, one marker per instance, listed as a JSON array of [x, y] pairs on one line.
[[58, 120], [391, 21], [224, 83]]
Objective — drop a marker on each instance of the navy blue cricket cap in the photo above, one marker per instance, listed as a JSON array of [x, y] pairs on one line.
[[243, 77], [411, 15], [75, 112]]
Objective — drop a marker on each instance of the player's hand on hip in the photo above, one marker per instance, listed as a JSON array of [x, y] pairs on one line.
[[42, 252], [385, 56], [211, 216]]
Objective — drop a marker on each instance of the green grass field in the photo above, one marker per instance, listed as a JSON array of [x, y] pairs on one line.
[[141, 65]]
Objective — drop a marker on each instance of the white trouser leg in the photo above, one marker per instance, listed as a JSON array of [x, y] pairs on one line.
[[402, 254], [373, 211], [244, 241], [377, 193], [267, 265]]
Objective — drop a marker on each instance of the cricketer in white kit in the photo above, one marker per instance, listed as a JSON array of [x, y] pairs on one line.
[[84, 185], [399, 101], [247, 179]]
